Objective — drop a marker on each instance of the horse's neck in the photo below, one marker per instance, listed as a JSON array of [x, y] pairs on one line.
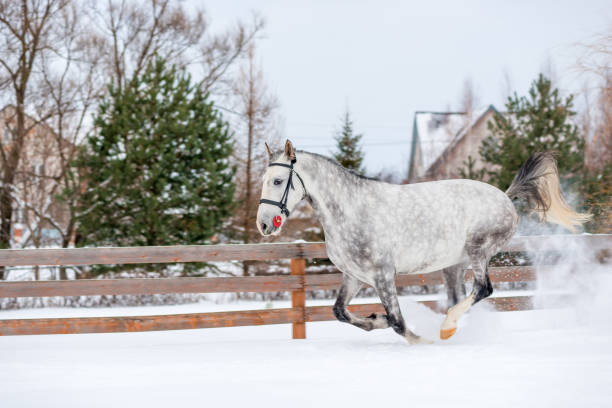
[[327, 185]]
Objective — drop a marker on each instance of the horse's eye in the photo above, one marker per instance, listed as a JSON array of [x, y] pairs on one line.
[[278, 182]]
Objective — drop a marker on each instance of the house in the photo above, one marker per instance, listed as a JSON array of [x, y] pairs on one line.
[[37, 214], [443, 141]]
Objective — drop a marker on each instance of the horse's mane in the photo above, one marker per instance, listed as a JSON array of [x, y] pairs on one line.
[[276, 155]]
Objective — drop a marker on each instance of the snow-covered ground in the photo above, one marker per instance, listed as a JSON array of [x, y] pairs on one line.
[[560, 358]]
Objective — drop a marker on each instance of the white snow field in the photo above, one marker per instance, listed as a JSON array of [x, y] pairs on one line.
[[542, 358]]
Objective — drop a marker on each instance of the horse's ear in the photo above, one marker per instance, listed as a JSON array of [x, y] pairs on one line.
[[268, 151], [289, 151]]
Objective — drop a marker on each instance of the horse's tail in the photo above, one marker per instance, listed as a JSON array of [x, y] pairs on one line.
[[537, 181]]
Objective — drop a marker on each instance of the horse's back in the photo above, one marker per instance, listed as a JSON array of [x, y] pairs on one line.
[[441, 217], [470, 199]]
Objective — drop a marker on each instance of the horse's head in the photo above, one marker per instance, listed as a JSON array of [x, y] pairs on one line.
[[282, 189]]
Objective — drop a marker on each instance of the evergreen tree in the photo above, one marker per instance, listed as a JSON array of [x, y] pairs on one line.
[[596, 188], [157, 166], [539, 122], [469, 170], [349, 154]]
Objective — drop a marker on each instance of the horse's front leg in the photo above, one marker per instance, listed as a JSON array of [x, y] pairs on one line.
[[387, 291], [350, 287]]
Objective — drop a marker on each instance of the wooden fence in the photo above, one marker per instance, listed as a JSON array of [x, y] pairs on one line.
[[298, 283]]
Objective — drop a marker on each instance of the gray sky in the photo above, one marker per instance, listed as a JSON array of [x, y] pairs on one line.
[[386, 59]]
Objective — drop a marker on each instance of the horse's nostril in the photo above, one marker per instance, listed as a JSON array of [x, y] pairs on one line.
[[264, 227]]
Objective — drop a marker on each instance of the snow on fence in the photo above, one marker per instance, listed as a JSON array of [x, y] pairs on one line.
[[297, 283]]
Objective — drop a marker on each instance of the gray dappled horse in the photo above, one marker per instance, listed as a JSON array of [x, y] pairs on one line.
[[374, 230]]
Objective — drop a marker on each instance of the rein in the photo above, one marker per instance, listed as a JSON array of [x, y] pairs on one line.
[[282, 204]]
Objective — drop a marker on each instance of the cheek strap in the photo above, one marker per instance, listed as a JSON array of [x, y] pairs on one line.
[[282, 204]]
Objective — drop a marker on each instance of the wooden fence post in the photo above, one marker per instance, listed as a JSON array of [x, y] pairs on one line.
[[298, 298]]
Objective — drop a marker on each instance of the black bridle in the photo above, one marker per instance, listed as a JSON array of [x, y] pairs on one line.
[[282, 204]]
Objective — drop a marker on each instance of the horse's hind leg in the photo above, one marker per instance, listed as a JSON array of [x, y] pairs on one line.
[[454, 277], [350, 287], [387, 291], [479, 255]]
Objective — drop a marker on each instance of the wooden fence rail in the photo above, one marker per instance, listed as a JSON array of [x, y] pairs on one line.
[[273, 283], [243, 252], [297, 283]]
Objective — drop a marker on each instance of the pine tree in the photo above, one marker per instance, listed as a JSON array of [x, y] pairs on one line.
[[469, 170], [596, 188], [349, 154], [156, 168], [539, 122]]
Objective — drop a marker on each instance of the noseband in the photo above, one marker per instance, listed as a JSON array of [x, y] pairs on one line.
[[282, 204]]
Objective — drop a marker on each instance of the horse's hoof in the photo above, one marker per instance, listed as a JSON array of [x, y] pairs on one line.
[[446, 334]]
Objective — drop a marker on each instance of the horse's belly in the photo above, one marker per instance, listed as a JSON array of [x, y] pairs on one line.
[[433, 267], [431, 259]]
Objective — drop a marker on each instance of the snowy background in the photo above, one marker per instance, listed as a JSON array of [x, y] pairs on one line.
[[553, 357], [383, 62]]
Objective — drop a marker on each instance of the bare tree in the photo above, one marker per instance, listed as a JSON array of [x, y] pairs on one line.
[[34, 192], [256, 107], [135, 32], [26, 33], [73, 82], [596, 62], [469, 98], [220, 53], [67, 85]]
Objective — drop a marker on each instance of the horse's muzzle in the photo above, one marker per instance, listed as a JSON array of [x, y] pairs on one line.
[[266, 228]]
